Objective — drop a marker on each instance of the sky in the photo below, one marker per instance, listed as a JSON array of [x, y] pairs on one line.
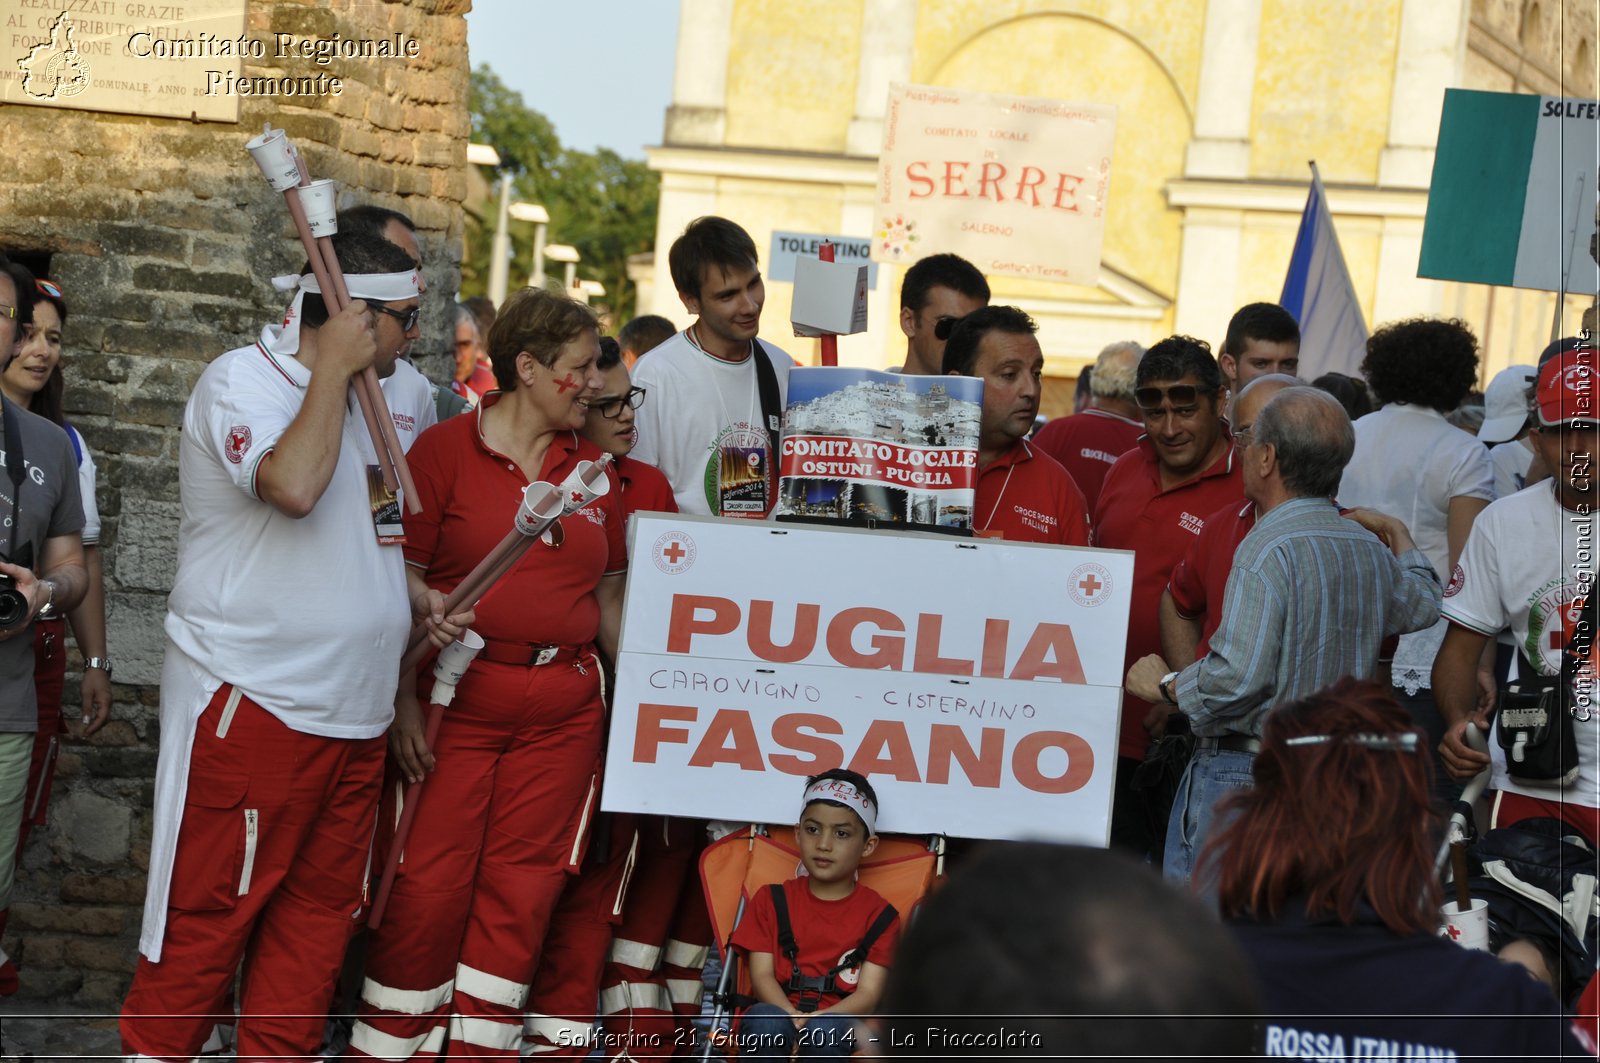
[[601, 70]]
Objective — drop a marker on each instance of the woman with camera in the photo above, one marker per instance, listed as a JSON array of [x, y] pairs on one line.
[[33, 380]]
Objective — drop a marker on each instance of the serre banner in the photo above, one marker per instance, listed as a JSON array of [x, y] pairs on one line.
[[976, 683], [1015, 184]]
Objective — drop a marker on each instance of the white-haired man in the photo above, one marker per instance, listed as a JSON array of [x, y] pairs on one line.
[[1088, 443]]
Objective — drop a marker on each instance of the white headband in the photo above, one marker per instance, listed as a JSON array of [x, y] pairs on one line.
[[379, 287], [843, 793]]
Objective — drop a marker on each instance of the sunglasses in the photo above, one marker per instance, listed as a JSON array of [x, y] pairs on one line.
[[1183, 397], [943, 326], [49, 288], [408, 318], [612, 407]]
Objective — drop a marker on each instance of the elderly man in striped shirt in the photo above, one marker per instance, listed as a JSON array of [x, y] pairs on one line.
[[1311, 596]]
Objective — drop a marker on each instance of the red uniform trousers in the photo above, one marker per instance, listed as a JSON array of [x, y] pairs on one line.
[[561, 1009], [498, 830], [276, 836], [49, 677], [1510, 808], [651, 989]]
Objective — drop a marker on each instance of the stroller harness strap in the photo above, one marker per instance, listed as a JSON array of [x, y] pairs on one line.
[[812, 989]]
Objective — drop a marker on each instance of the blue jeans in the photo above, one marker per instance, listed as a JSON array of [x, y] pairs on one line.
[[767, 1032], [1211, 775]]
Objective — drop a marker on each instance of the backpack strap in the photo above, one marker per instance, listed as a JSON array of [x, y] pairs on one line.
[[771, 401]]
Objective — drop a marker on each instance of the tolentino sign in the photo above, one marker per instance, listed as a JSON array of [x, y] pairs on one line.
[[1015, 184]]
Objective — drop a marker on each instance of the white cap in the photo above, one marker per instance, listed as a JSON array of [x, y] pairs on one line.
[[1505, 404]]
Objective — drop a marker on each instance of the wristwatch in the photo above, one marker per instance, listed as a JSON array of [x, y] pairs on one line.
[[1169, 695], [48, 610], [102, 663]]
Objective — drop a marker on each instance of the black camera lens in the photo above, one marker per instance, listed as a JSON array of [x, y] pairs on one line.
[[13, 605]]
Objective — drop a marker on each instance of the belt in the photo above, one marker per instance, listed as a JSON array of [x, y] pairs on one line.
[[1233, 743], [527, 654]]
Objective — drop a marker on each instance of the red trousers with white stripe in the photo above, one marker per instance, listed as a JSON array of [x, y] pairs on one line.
[[49, 678], [561, 1015], [651, 988], [270, 868], [498, 831]]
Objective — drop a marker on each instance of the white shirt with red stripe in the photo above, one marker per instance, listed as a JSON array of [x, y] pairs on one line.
[[306, 617]]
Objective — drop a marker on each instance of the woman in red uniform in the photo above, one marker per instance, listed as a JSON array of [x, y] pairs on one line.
[[512, 776]]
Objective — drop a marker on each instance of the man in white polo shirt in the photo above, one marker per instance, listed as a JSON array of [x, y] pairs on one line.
[[1528, 566], [285, 628]]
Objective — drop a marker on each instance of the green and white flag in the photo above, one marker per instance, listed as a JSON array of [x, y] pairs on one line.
[[1513, 197]]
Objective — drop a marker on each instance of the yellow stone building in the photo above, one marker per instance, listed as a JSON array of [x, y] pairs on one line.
[[777, 117]]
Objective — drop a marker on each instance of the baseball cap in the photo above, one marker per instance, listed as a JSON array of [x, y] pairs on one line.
[[1505, 404], [1568, 386]]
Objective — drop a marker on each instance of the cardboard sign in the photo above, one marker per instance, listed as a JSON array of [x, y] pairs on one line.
[[1015, 184], [830, 298], [865, 447], [788, 247], [1513, 198], [976, 683]]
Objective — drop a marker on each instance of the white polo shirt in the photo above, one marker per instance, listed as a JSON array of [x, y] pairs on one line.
[[1525, 568], [409, 397], [307, 617]]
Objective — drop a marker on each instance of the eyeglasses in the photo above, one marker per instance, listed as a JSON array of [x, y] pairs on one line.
[[49, 288], [8, 311], [408, 318], [612, 407], [1241, 434], [1183, 397], [943, 326]]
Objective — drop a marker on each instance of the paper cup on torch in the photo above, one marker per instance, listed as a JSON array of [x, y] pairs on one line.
[[317, 199], [456, 658], [275, 155], [585, 484], [1469, 929], [541, 505]]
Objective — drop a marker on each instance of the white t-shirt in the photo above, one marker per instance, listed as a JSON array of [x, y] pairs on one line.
[[409, 397], [87, 477], [308, 617], [701, 425], [1409, 462], [1520, 571], [1511, 462]]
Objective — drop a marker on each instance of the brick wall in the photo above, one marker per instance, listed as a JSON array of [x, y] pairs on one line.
[[165, 237]]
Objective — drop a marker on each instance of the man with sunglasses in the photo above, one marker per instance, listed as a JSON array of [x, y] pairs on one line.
[[284, 629], [41, 560], [936, 292], [1154, 501]]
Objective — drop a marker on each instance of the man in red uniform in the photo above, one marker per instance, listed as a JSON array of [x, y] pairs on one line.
[[1086, 444], [1191, 606], [1154, 500], [1022, 493]]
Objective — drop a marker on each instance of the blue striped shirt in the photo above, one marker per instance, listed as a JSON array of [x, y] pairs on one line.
[[1310, 599]]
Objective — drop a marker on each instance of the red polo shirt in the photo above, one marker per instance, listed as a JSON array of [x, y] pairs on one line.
[[1027, 497], [1134, 513], [1200, 579], [470, 495], [1087, 444], [644, 488]]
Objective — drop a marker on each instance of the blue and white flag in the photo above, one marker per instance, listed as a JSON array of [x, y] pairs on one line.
[[1318, 292]]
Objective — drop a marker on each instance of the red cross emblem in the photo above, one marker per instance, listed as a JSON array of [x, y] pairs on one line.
[[1089, 585], [674, 552]]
